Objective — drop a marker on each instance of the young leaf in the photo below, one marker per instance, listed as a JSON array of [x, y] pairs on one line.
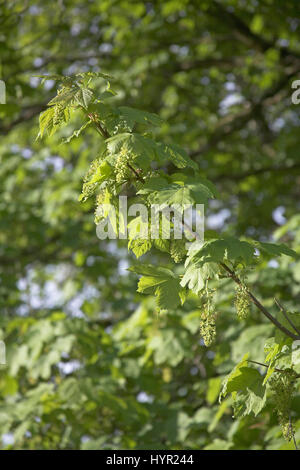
[[179, 157], [247, 389], [220, 250], [46, 122], [159, 281], [139, 246], [65, 97], [196, 276], [77, 132], [131, 116], [272, 249], [83, 97], [187, 191]]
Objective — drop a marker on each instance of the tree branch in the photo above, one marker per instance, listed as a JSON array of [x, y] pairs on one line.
[[267, 314], [266, 365], [106, 135], [286, 316]]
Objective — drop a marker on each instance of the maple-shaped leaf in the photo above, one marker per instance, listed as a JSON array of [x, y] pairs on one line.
[[247, 389], [83, 97], [133, 115], [179, 157], [140, 246], [222, 249], [196, 276], [46, 122], [142, 149], [273, 249], [234, 250], [145, 149], [179, 192], [162, 282]]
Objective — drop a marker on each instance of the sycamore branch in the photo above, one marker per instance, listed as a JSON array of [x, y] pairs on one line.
[[287, 317], [267, 366], [105, 134], [267, 314]]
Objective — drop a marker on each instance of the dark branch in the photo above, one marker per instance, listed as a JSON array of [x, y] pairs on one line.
[[266, 365], [267, 314], [286, 316]]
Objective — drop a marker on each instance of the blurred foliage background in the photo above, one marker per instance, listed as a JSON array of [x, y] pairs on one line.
[[90, 363]]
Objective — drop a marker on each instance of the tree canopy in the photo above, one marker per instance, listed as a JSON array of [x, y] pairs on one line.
[[95, 357]]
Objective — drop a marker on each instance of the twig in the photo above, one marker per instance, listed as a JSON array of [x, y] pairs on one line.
[[139, 177], [98, 126], [259, 305], [286, 316], [293, 434], [266, 365]]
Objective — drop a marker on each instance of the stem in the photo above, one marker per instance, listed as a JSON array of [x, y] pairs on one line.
[[266, 365], [286, 316], [291, 428], [139, 177], [98, 126], [259, 305]]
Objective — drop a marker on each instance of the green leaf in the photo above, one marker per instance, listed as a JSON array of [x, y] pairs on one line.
[[132, 116], [138, 228], [154, 183], [98, 172], [162, 244], [142, 149], [83, 97], [94, 75], [170, 346], [213, 390], [272, 249], [273, 350], [159, 281], [77, 132], [65, 98], [139, 246], [46, 122], [195, 276], [233, 250], [224, 249], [234, 373], [246, 386], [101, 174], [219, 444], [187, 191], [146, 150], [179, 157]]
